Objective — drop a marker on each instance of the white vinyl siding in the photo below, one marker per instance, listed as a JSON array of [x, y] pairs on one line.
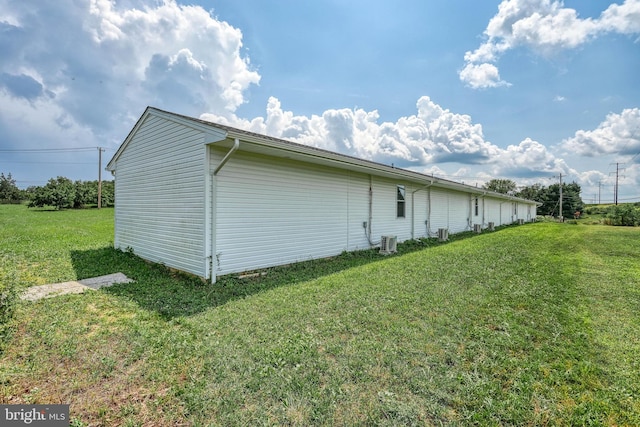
[[492, 211], [272, 211], [160, 195], [420, 208], [272, 202], [385, 213], [459, 210], [439, 210], [358, 196], [506, 212]]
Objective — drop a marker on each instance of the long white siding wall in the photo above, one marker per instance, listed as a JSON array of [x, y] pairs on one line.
[[452, 210], [160, 188], [419, 210], [506, 213], [272, 211], [459, 210], [439, 211], [385, 221], [492, 211]]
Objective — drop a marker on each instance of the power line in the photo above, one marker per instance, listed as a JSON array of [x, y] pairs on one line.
[[615, 191], [52, 150], [47, 150], [46, 163]]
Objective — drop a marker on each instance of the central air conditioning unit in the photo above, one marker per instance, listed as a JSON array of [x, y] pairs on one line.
[[443, 234], [492, 226], [520, 221], [388, 245], [477, 228]]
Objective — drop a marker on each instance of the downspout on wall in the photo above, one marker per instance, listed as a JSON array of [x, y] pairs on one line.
[[213, 256], [369, 228], [413, 209], [483, 206]]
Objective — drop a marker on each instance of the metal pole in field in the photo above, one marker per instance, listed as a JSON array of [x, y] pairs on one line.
[[599, 185], [100, 150], [617, 174], [561, 216]]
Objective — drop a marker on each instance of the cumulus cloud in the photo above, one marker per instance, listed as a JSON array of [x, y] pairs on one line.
[[528, 159], [480, 76], [112, 56], [617, 134], [426, 141], [544, 26]]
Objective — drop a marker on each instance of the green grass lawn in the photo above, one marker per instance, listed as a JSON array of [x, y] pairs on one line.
[[528, 325]]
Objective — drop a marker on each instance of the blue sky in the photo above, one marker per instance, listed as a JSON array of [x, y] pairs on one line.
[[518, 89]]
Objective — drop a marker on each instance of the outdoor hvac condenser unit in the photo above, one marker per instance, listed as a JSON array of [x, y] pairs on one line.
[[443, 234], [477, 228], [492, 226], [388, 245], [520, 221]]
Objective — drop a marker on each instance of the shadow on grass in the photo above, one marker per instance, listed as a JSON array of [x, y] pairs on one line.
[[174, 294]]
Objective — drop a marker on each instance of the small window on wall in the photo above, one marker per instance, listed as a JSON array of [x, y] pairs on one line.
[[477, 210], [400, 199]]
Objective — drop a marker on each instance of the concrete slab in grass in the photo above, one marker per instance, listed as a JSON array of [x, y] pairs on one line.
[[35, 293]]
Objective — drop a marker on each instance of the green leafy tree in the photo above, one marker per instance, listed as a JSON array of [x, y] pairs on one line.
[[549, 198], [86, 193], [624, 215], [504, 186], [571, 200], [108, 193], [535, 192], [9, 191], [58, 192]]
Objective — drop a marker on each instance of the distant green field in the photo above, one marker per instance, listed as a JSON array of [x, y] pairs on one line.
[[528, 325]]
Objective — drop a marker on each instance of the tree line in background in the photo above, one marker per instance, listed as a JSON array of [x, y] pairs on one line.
[[60, 193], [549, 197], [627, 214]]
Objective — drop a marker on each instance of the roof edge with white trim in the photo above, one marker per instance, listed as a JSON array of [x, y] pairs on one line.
[[342, 160]]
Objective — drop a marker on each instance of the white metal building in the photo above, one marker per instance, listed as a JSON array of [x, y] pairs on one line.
[[212, 200]]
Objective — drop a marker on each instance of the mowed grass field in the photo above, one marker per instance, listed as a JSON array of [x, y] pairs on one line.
[[529, 325]]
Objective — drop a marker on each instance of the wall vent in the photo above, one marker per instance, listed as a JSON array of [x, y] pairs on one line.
[[443, 234], [388, 245], [492, 226], [477, 228]]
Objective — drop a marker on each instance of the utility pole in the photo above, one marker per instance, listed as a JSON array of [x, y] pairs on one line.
[[615, 188], [599, 185], [617, 175], [561, 217], [100, 150]]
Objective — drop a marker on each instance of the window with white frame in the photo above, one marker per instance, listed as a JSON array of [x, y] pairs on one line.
[[400, 201], [477, 207]]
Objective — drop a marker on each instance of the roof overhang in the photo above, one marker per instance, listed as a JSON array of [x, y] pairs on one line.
[[225, 136]]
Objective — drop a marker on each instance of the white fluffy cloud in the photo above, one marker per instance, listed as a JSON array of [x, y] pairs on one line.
[[544, 26], [105, 56], [528, 159], [617, 134], [434, 136]]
